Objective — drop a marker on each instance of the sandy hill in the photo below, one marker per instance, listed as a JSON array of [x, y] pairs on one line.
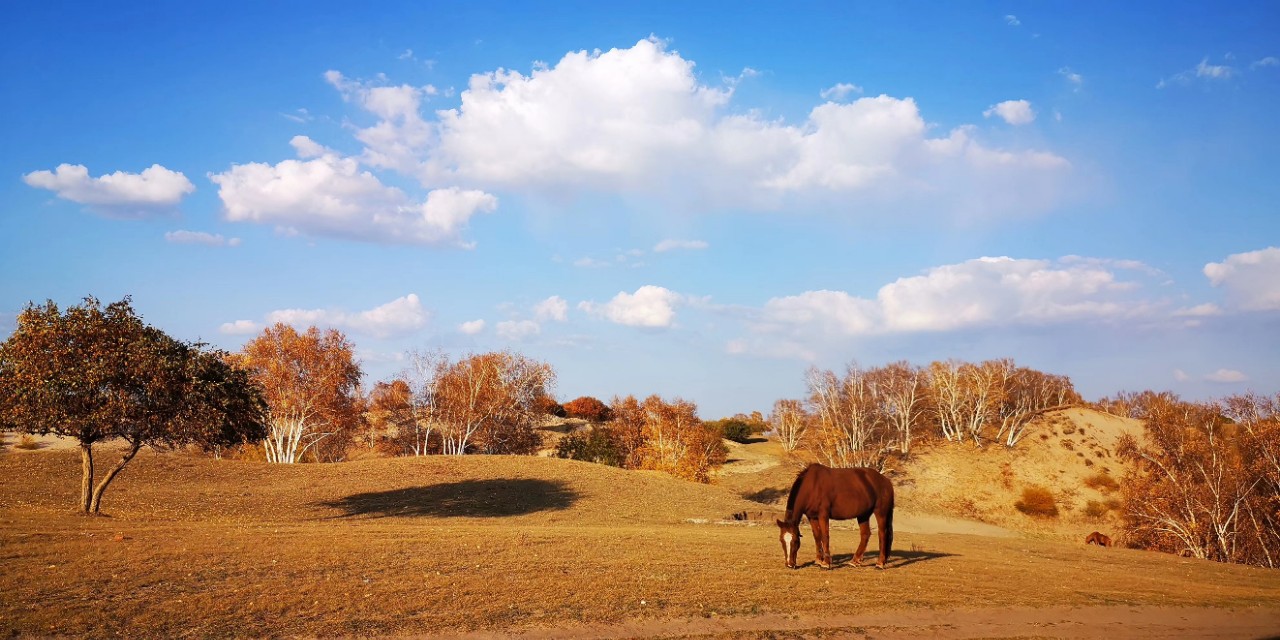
[[943, 486]]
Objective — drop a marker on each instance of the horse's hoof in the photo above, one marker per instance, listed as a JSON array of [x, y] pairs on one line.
[[880, 566]]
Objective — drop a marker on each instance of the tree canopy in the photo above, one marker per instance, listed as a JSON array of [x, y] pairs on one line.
[[94, 374], [311, 382]]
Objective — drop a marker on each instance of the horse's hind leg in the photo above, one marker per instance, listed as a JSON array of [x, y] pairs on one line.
[[864, 533], [885, 524]]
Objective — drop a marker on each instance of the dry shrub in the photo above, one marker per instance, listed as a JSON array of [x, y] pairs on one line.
[[27, 443], [1037, 501], [1068, 429], [965, 507], [1068, 445], [244, 452], [1101, 481], [1006, 475], [1100, 508]]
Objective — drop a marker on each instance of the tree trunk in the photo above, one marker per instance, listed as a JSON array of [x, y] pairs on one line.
[[102, 486], [86, 478]]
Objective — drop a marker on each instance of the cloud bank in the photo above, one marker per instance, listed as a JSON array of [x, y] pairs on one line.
[[155, 190]]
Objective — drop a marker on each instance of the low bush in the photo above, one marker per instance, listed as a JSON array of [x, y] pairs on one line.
[[547, 405], [1101, 481], [589, 409], [732, 429], [1100, 508], [597, 445], [1038, 502]]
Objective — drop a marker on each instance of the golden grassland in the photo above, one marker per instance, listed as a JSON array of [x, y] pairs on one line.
[[196, 547]]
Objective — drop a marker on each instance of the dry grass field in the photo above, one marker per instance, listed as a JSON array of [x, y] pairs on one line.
[[540, 547]]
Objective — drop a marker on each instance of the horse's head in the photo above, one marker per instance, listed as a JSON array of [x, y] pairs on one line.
[[789, 536]]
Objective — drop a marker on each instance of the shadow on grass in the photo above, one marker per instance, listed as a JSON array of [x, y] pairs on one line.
[[466, 499], [767, 496], [897, 559]]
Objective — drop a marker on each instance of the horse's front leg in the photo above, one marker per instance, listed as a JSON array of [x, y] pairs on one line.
[[864, 526], [822, 540]]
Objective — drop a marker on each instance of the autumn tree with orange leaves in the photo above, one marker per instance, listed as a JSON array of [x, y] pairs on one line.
[[675, 440], [1206, 479], [489, 403], [311, 383]]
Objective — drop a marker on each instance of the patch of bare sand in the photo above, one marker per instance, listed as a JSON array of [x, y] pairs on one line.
[[1084, 623], [12, 441], [1071, 452]]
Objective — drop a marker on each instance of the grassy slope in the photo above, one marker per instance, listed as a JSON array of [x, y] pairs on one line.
[[198, 548]]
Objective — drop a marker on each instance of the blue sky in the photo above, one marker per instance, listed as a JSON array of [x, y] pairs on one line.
[[699, 200]]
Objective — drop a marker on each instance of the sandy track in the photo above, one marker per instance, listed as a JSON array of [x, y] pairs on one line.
[[1086, 623]]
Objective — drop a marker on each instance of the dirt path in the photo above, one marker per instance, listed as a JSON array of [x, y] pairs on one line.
[[1085, 623]]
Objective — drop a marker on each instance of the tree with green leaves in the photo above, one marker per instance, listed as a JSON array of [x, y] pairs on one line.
[[97, 373]]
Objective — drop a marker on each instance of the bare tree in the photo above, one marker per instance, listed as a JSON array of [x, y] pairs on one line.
[[948, 398], [1025, 394], [789, 422], [899, 389], [848, 427]]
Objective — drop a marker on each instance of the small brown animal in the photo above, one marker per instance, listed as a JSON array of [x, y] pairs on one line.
[[1098, 539]]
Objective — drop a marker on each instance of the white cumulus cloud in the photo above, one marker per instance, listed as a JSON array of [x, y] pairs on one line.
[[240, 328], [628, 119], [1015, 112], [517, 330], [1251, 280], [975, 294], [553, 308], [1227, 375], [329, 195], [401, 316], [840, 91], [183, 236], [401, 136], [155, 190], [471, 327], [650, 306]]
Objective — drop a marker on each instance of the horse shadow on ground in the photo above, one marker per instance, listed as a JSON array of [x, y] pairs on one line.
[[495, 498], [897, 559]]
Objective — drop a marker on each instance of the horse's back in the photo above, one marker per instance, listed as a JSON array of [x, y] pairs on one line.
[[855, 492]]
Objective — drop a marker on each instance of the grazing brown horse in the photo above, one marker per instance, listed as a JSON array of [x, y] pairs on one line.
[[1098, 539], [823, 494]]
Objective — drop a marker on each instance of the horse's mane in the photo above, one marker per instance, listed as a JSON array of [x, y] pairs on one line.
[[795, 490]]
